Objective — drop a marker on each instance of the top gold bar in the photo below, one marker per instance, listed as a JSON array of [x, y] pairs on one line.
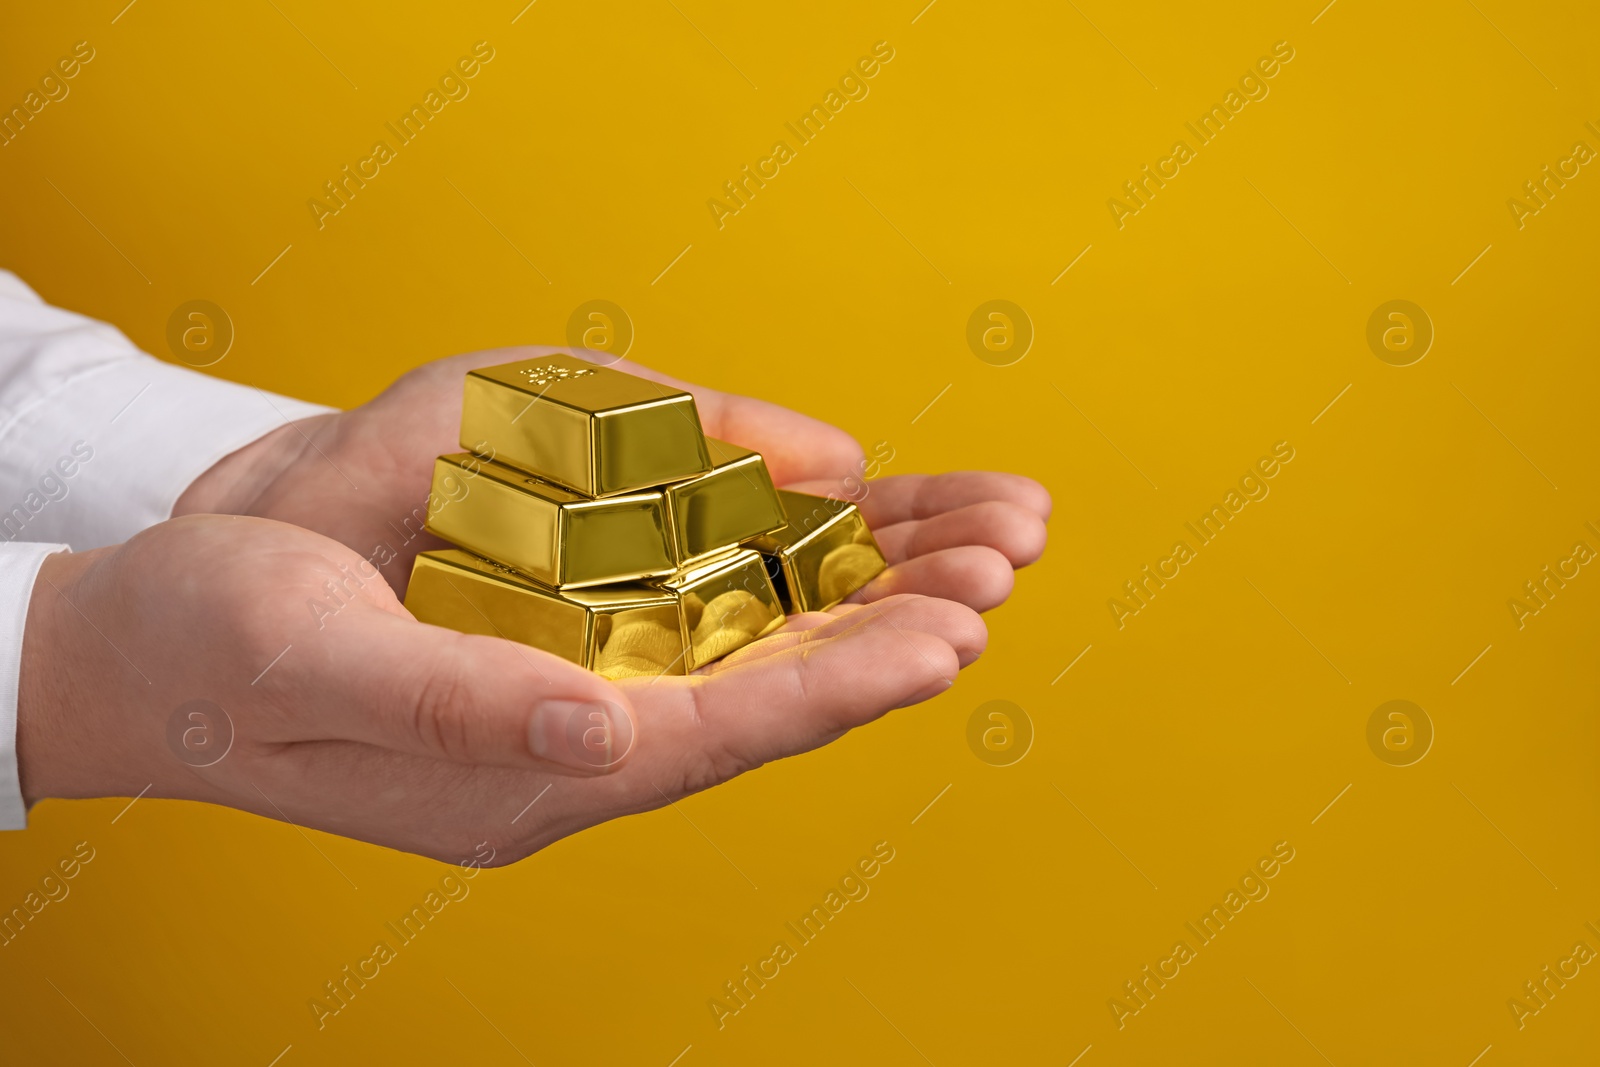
[[594, 430]]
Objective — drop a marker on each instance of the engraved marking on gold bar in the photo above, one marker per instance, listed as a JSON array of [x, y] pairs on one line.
[[598, 431]]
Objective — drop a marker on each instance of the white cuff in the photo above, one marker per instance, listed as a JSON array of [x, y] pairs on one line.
[[109, 452], [19, 569]]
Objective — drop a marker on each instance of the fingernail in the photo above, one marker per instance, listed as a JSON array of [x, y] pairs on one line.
[[589, 736], [969, 658]]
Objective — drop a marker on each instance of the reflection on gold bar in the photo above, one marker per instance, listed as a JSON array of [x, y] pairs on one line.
[[619, 631], [591, 429], [726, 603], [549, 533], [824, 554], [734, 502]]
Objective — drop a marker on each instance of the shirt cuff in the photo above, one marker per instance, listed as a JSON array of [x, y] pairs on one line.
[[109, 453], [19, 569]]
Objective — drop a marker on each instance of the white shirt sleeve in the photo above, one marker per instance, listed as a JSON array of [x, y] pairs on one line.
[[97, 442]]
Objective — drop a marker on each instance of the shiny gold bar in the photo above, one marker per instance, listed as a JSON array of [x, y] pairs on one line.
[[824, 553], [549, 533], [594, 430], [619, 631], [734, 502], [725, 603]]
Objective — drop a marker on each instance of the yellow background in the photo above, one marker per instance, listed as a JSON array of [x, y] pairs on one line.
[[1223, 318]]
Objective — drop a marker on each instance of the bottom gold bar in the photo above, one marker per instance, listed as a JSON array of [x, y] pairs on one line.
[[823, 555], [619, 631]]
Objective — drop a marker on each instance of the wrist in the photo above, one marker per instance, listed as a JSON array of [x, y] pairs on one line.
[[232, 484], [61, 751]]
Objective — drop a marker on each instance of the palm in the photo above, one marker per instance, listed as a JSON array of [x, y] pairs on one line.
[[363, 480]]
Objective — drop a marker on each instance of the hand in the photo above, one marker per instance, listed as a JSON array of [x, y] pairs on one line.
[[362, 478], [366, 723]]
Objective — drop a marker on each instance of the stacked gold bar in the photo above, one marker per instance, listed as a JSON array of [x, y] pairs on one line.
[[596, 521]]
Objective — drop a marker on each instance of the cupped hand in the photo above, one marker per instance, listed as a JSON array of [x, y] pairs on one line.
[[251, 663], [362, 477]]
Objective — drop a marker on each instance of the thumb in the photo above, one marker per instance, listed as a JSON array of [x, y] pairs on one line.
[[388, 680]]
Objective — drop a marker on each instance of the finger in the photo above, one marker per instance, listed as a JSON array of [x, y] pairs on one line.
[[707, 730], [1016, 532], [959, 625], [388, 680], [902, 497], [975, 575]]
